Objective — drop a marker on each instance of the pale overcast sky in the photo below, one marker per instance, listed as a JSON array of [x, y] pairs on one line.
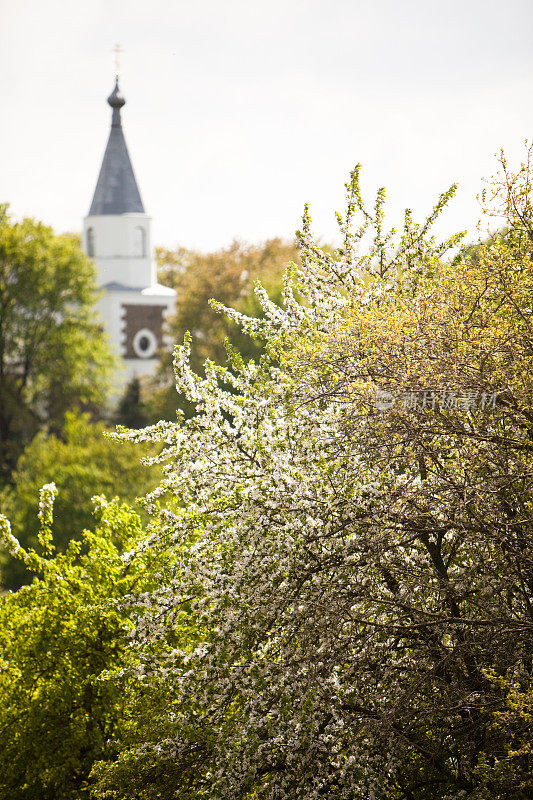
[[239, 111]]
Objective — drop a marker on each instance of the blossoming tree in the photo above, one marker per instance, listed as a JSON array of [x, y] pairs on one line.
[[333, 599]]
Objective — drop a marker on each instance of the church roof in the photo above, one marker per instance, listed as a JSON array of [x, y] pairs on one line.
[[116, 189]]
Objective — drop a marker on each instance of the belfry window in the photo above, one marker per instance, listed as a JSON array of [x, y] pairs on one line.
[[139, 242], [90, 242]]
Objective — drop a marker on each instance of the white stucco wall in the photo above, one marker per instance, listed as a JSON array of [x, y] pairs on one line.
[[117, 248]]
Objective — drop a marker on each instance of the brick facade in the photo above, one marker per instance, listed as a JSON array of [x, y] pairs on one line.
[[138, 317]]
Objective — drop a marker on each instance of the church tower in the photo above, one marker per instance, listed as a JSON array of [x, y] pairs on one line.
[[116, 235]]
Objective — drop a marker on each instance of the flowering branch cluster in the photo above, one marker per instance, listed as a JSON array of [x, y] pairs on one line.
[[332, 600]]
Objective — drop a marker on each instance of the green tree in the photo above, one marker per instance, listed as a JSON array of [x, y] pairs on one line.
[[58, 636], [82, 462], [53, 353]]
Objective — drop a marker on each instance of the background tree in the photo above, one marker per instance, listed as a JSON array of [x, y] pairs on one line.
[[131, 411], [82, 463], [53, 353]]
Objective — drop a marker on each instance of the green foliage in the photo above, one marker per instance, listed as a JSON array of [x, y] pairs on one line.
[[57, 637], [82, 462], [53, 353]]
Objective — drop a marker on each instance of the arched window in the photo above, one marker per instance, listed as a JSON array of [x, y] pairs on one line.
[[90, 242], [139, 242]]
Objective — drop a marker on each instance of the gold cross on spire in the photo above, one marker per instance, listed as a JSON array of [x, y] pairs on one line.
[[117, 51]]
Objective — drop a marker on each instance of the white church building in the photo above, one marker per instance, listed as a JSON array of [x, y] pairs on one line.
[[116, 235]]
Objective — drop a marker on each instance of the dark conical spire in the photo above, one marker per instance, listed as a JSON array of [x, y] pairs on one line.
[[116, 189]]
